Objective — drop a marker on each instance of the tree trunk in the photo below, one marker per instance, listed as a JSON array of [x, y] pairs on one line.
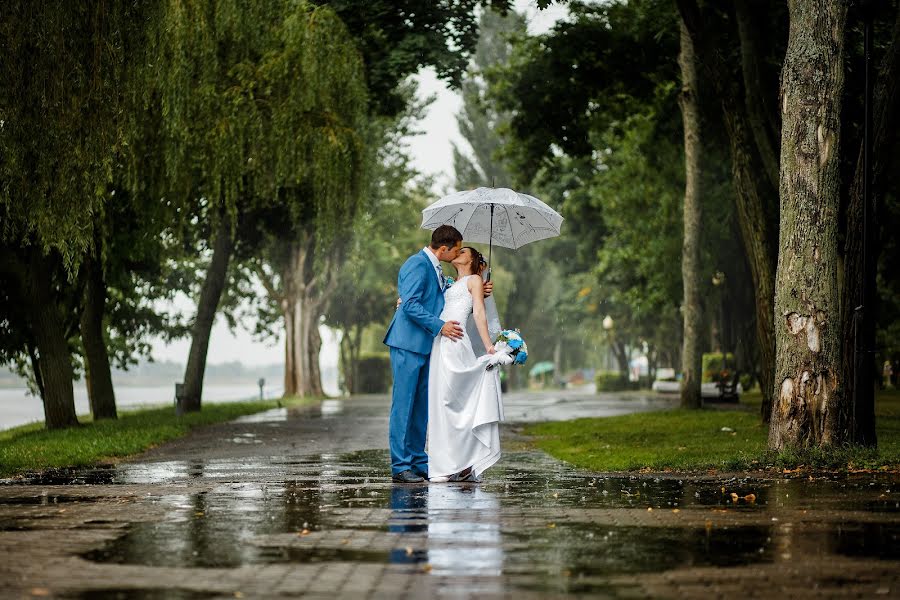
[[206, 315], [55, 360], [811, 409], [751, 198], [885, 114], [99, 378], [302, 308], [761, 117], [690, 257]]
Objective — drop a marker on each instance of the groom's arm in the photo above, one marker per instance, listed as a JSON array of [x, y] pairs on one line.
[[412, 288]]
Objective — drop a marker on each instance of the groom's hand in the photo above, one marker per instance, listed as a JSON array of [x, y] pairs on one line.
[[452, 330], [488, 288]]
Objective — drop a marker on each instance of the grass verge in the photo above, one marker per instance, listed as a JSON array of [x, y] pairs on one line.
[[685, 440], [33, 448]]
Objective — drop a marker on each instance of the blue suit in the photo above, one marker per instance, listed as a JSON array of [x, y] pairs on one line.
[[410, 337]]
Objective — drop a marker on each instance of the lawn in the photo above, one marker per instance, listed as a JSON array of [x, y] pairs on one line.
[[33, 448], [684, 440]]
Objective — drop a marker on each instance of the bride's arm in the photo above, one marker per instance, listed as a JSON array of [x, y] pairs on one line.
[[476, 288]]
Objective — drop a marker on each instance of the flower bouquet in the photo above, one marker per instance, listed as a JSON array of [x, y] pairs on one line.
[[509, 349]]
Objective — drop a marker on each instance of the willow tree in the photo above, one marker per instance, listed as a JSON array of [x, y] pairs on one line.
[[811, 409], [262, 104], [63, 127]]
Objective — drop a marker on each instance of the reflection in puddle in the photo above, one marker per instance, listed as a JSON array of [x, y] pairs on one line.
[[330, 408], [464, 531], [274, 415], [535, 524]]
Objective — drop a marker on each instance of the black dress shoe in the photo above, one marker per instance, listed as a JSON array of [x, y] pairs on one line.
[[407, 476], [422, 474]]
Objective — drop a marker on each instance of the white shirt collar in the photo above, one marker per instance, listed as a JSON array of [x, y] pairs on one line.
[[434, 259], [439, 272]]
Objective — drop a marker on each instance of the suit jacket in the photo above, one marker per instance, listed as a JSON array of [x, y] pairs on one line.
[[416, 323]]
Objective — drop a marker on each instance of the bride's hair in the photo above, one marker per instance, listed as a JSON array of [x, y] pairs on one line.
[[478, 262]]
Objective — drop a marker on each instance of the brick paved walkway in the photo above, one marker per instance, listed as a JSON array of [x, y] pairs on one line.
[[300, 505]]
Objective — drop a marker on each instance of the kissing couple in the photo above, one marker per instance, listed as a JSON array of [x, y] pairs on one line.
[[441, 388]]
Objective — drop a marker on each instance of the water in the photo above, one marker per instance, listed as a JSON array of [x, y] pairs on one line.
[[19, 408], [542, 526]]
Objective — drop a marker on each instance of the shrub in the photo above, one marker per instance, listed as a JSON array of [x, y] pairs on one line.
[[374, 373], [612, 381], [714, 367]]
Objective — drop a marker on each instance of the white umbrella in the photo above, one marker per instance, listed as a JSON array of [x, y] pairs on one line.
[[494, 215]]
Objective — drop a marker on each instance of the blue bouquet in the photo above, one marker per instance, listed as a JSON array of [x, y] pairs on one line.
[[510, 349]]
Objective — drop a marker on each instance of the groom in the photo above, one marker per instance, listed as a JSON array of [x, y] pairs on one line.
[[410, 337]]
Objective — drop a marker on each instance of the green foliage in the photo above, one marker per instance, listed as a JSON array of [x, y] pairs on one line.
[[374, 373], [398, 37], [32, 448], [64, 105], [612, 381], [716, 367], [263, 103]]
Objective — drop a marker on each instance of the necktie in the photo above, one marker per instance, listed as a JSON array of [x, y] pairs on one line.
[[441, 278]]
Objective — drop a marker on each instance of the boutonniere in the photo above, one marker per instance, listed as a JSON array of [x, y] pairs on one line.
[[448, 282]]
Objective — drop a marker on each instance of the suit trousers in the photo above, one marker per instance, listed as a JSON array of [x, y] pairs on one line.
[[409, 411]]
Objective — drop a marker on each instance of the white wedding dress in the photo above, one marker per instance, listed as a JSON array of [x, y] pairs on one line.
[[464, 403]]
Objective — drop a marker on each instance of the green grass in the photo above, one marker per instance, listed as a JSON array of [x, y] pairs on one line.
[[33, 448], [684, 440]]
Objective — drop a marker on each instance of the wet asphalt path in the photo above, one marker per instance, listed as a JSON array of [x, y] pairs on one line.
[[299, 504]]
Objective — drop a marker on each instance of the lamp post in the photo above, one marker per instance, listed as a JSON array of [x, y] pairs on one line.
[[607, 327]]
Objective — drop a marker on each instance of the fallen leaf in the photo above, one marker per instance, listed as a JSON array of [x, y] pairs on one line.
[[734, 497], [551, 525], [304, 532], [676, 510], [426, 567], [39, 591]]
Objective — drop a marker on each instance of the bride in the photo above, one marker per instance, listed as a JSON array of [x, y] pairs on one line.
[[464, 404]]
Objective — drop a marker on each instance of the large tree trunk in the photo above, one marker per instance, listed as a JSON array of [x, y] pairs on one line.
[[855, 279], [690, 257], [99, 378], [811, 409], [206, 315], [302, 304], [55, 360], [754, 208]]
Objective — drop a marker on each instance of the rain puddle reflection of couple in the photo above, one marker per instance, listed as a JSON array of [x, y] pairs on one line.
[[453, 529]]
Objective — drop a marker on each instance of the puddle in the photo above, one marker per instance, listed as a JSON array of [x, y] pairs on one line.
[[274, 415], [45, 499], [141, 594]]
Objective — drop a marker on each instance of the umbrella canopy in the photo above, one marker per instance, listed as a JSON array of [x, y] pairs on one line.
[[494, 216], [541, 368]]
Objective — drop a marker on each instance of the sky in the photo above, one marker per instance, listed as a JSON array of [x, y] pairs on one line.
[[432, 153]]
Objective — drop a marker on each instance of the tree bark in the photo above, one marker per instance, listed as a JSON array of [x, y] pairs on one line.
[[885, 116], [754, 208], [54, 357], [206, 315], [99, 377], [811, 409], [690, 256], [302, 302]]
